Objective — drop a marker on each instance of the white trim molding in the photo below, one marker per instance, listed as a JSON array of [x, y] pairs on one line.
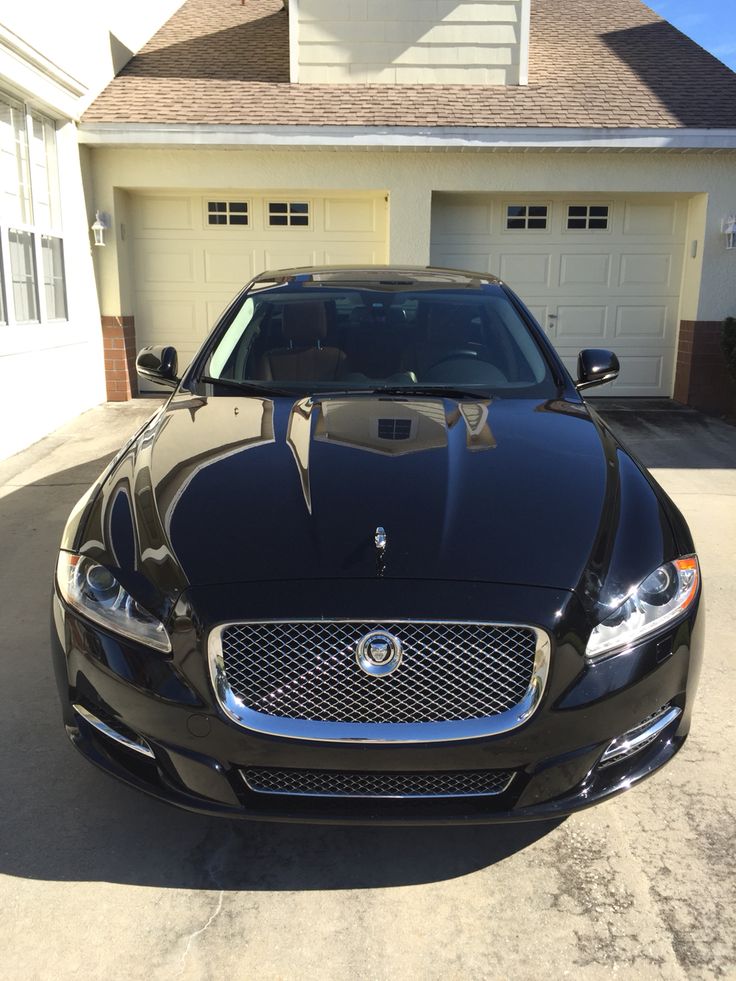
[[29, 71], [405, 137], [525, 15]]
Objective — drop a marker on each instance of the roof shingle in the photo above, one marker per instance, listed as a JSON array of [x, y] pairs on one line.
[[592, 63]]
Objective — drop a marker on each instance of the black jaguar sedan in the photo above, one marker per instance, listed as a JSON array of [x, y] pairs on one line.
[[376, 560]]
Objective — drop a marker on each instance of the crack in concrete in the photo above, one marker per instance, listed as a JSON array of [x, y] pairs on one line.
[[193, 936]]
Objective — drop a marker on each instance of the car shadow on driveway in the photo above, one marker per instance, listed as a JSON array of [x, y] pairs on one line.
[[63, 820]]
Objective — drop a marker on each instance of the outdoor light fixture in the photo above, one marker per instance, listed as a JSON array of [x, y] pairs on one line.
[[728, 227], [98, 227]]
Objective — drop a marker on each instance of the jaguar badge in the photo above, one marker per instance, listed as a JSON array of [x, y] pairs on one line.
[[379, 653]]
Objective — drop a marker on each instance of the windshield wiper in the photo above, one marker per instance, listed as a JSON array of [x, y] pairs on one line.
[[253, 388], [440, 391]]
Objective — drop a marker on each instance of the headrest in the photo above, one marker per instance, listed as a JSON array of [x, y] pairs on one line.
[[305, 322]]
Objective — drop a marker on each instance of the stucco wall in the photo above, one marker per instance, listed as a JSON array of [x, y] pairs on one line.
[[411, 177], [426, 41]]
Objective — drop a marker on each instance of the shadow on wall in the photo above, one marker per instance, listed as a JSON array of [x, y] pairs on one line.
[[66, 821], [666, 61]]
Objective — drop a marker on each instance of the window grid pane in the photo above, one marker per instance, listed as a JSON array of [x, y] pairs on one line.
[[15, 180], [522, 216], [227, 212], [23, 274], [294, 213], [53, 277], [585, 217]]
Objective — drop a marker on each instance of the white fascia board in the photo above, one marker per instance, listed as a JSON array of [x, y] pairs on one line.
[[396, 137], [35, 77]]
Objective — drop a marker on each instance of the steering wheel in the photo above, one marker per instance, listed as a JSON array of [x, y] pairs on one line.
[[459, 353]]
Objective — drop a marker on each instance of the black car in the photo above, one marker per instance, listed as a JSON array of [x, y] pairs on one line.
[[377, 560]]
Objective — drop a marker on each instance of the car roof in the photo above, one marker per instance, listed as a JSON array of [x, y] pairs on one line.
[[381, 277]]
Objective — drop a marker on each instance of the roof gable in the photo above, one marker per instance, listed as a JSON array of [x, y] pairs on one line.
[[591, 64]]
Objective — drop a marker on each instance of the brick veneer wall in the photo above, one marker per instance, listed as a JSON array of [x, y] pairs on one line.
[[702, 379], [118, 335]]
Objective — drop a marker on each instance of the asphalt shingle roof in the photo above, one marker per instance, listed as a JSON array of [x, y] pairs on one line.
[[592, 63]]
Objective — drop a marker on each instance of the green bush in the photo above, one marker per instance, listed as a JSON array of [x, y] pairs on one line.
[[728, 342]]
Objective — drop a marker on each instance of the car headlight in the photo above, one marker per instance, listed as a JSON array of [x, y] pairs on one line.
[[93, 590], [661, 597]]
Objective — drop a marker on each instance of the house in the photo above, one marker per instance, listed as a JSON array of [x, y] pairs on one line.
[[582, 150], [54, 58]]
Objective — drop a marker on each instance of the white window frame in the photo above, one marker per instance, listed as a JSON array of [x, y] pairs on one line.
[[227, 200], [37, 231], [521, 202], [587, 204], [289, 201]]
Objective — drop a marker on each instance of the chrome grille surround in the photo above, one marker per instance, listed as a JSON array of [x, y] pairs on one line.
[[341, 783], [488, 678]]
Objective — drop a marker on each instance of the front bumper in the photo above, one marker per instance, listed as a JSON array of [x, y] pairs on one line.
[[197, 755]]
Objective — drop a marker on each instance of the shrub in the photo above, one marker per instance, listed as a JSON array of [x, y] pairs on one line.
[[728, 342]]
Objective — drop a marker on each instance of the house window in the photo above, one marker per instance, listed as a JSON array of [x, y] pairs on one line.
[[23, 274], [288, 213], [526, 216], [52, 250], [30, 217], [587, 216], [227, 212]]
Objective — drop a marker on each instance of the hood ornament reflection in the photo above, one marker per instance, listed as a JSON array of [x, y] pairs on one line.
[[380, 540]]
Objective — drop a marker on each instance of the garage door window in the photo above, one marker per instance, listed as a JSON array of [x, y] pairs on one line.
[[521, 217], [30, 217], [227, 212], [288, 213], [584, 217]]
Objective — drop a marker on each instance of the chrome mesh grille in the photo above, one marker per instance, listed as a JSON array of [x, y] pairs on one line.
[[308, 670], [337, 783]]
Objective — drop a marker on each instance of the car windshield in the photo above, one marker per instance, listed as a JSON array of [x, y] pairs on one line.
[[308, 338]]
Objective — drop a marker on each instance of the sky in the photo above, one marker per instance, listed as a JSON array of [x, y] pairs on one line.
[[712, 23]]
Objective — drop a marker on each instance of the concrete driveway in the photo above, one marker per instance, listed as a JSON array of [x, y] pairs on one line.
[[97, 881]]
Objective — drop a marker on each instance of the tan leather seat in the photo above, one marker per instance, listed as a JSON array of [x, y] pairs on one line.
[[305, 359]]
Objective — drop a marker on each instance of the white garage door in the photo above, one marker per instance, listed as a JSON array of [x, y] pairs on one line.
[[596, 271], [192, 253]]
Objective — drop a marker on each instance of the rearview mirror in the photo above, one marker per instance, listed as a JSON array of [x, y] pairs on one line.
[[595, 367], [158, 364]]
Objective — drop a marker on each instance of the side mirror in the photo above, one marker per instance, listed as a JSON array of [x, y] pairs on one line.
[[158, 364], [595, 367]]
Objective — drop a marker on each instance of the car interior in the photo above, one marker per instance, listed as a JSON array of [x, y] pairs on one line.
[[364, 338]]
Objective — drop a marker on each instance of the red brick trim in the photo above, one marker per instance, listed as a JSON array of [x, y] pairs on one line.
[[118, 337], [702, 379]]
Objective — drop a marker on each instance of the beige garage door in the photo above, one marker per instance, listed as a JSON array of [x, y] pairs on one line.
[[596, 271], [192, 253]]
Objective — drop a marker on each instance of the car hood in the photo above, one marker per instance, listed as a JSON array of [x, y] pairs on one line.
[[219, 490]]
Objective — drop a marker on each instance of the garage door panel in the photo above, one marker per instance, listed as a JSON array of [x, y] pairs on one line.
[[233, 265], [639, 321], [188, 271], [616, 288], [166, 321], [522, 270], [462, 219], [354, 215], [650, 220], [646, 270], [587, 270], [474, 261], [578, 320], [352, 255], [160, 213], [165, 265]]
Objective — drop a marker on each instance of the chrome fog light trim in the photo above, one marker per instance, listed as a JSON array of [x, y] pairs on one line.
[[138, 745], [638, 738]]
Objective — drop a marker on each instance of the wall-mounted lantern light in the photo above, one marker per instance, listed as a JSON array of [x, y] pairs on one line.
[[98, 227], [728, 227]]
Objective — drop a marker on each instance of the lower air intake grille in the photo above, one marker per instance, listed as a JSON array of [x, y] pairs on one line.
[[338, 783]]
